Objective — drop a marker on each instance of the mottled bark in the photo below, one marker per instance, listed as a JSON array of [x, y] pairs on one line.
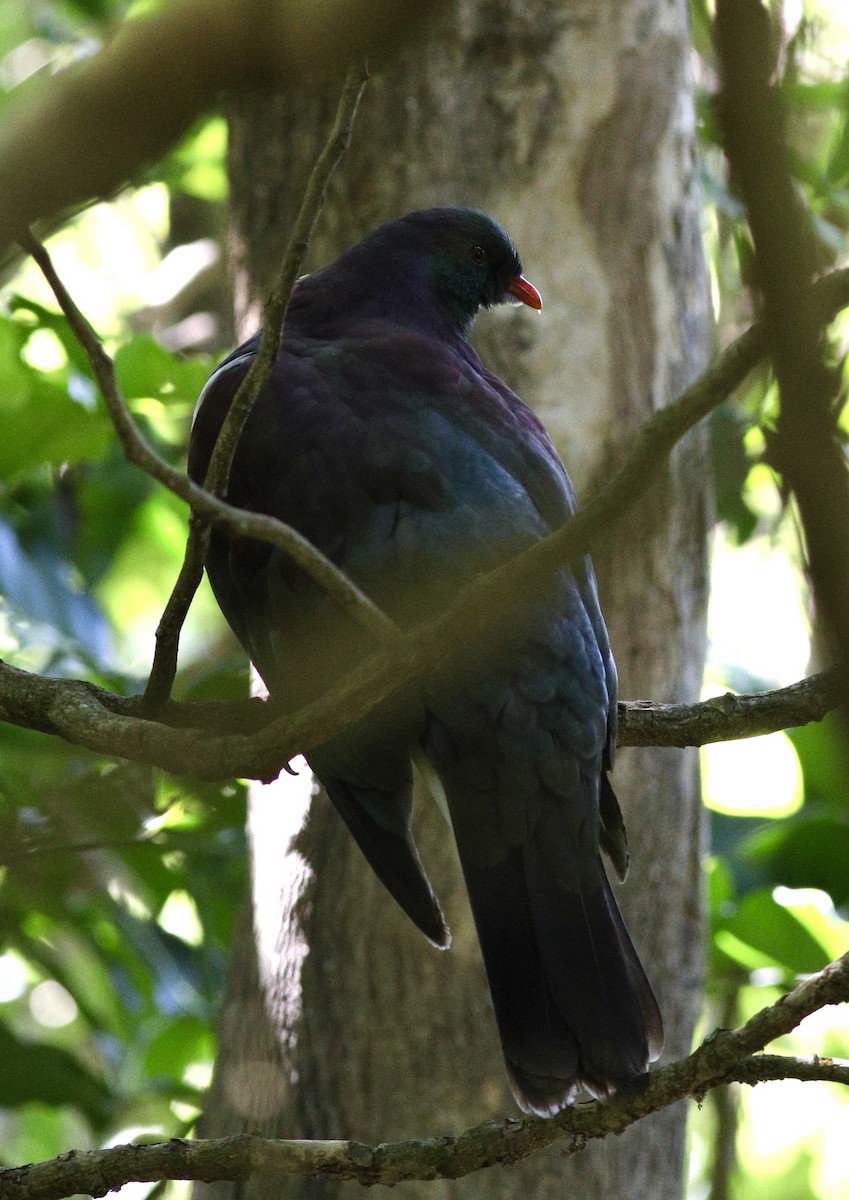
[[572, 124]]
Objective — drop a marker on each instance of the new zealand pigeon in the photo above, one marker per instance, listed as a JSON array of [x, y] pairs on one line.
[[381, 436]]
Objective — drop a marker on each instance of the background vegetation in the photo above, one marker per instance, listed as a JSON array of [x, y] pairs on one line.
[[118, 884]]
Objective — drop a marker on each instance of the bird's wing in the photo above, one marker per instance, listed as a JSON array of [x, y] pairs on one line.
[[395, 457], [519, 730], [551, 491], [333, 447]]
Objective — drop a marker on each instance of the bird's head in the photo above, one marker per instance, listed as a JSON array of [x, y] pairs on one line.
[[436, 266], [470, 262]]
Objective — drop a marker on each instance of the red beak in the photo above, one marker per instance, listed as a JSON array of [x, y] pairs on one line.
[[525, 291]]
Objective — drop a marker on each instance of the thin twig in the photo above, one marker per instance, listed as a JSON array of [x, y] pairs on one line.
[[164, 668], [274, 310], [725, 1055]]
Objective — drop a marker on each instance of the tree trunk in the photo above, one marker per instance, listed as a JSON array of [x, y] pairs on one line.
[[572, 124]]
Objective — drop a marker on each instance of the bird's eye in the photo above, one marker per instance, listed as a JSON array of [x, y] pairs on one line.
[[478, 255]]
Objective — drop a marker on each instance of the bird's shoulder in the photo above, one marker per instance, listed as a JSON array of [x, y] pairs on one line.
[[384, 439], [376, 389]]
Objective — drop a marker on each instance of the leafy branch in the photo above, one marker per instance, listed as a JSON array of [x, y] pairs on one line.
[[725, 1056]]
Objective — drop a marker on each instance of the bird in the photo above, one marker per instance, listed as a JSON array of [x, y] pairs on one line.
[[382, 438]]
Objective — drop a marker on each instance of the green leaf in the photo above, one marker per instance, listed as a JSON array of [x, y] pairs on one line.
[[805, 852], [46, 318], [44, 423], [146, 369], [821, 746], [108, 496], [773, 932], [184, 1041], [720, 886], [33, 1071], [39, 586], [143, 367]]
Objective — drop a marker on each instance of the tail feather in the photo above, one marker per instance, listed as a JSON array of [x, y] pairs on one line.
[[391, 852], [573, 1005], [592, 974], [541, 1052], [639, 980]]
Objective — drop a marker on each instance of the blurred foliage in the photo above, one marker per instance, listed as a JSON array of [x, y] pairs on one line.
[[779, 897], [119, 885]]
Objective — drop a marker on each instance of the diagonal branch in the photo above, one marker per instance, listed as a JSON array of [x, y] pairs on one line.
[[91, 718], [139, 451], [274, 310], [168, 631], [724, 1056]]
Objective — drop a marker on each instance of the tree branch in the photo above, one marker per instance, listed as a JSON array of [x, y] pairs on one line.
[[92, 718], [168, 631], [767, 1068], [807, 446], [725, 1056], [249, 740], [139, 451], [729, 717]]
